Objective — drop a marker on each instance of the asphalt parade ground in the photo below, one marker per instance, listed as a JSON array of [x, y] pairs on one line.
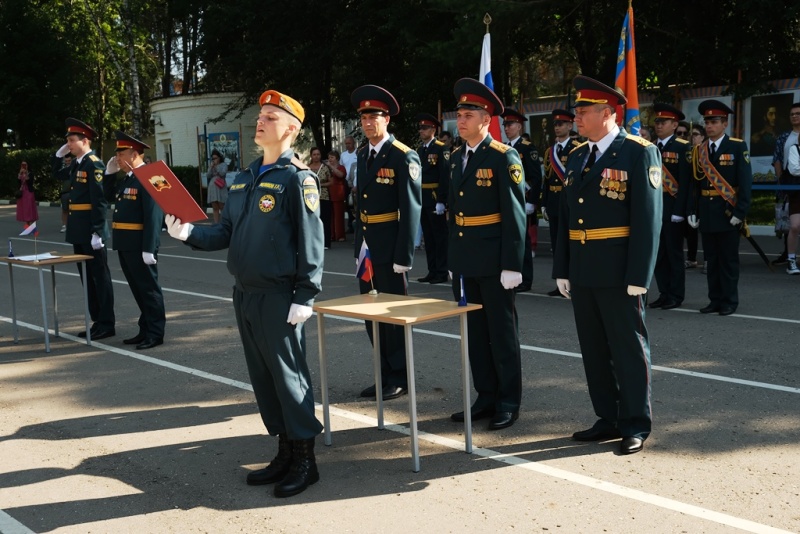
[[110, 439]]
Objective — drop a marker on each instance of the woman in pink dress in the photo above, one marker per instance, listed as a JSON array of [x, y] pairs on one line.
[[27, 211]]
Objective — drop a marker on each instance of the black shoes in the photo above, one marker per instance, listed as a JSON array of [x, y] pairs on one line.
[[631, 445], [503, 420], [711, 308], [427, 278], [438, 279], [389, 392], [554, 293], [658, 302], [149, 343], [670, 304], [597, 434], [477, 414], [135, 340], [99, 333], [726, 310], [522, 288], [277, 469], [302, 470]]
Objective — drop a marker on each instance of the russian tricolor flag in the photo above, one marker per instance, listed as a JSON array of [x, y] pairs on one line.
[[364, 269], [30, 229], [485, 78]]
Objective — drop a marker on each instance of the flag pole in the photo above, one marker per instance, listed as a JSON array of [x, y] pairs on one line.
[[487, 19]]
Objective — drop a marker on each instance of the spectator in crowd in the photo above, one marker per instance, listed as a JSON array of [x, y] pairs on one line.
[[782, 148], [338, 194], [217, 185], [645, 133], [27, 211], [325, 184], [682, 131], [446, 138], [790, 175], [698, 136], [348, 160]]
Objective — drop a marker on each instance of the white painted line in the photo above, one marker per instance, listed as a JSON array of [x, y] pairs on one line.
[[540, 468], [9, 525]]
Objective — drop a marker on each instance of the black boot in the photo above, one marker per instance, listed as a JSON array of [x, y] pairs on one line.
[[303, 471], [277, 468]]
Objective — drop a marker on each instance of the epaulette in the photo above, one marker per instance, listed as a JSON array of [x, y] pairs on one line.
[[526, 142], [577, 147], [401, 146], [636, 139], [682, 141], [438, 143], [500, 147], [736, 139], [92, 157], [299, 164]]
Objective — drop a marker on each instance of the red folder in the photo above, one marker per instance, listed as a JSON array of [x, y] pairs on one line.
[[168, 192]]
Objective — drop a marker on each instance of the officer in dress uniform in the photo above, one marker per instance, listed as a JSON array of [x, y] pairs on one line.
[[532, 167], [271, 226], [722, 181], [136, 233], [608, 229], [435, 160], [389, 199], [487, 234], [555, 161], [86, 225], [670, 270]]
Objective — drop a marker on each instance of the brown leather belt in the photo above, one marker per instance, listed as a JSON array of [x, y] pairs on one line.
[[478, 220], [80, 207], [127, 226], [599, 233], [430, 186], [555, 188], [380, 218]]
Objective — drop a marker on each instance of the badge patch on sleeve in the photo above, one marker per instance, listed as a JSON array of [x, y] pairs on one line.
[[655, 176], [266, 203], [98, 176], [515, 171], [311, 193], [746, 156], [413, 171]]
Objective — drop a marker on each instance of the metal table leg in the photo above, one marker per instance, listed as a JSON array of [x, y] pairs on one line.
[[412, 397], [465, 385], [86, 303], [323, 378], [13, 305], [55, 300], [44, 310], [376, 357]]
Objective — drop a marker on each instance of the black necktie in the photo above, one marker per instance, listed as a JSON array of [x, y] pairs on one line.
[[660, 146], [590, 161], [559, 151], [371, 158], [713, 148]]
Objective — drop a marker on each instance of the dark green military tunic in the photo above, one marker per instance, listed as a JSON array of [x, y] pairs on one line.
[[553, 183], [621, 194], [435, 161], [87, 216], [720, 238], [389, 203], [670, 271], [272, 230], [136, 228], [486, 236]]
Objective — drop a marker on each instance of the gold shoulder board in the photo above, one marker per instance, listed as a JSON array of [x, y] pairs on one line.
[[500, 147], [580, 145], [401, 146], [636, 139]]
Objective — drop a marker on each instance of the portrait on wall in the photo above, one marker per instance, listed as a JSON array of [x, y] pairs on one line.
[[540, 128], [769, 116], [227, 144]]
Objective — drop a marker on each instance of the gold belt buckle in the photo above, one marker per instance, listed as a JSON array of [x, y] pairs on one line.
[[459, 220], [364, 218], [583, 236]]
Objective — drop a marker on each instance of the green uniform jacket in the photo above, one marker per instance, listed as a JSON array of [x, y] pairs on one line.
[[732, 160], [620, 261], [272, 230], [86, 187], [532, 166], [391, 185], [492, 183], [550, 199], [435, 161], [134, 205], [676, 157]]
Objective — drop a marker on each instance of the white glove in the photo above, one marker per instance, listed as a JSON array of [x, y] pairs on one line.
[[530, 209], [676, 218], [149, 258], [510, 279], [564, 286], [693, 221], [63, 151], [439, 208], [97, 243], [735, 221], [450, 274], [636, 290], [176, 229], [544, 214], [298, 313], [399, 269], [112, 167]]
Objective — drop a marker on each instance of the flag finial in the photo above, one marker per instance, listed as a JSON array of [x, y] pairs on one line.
[[487, 19]]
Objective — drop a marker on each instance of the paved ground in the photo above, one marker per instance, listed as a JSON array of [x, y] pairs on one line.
[[107, 439]]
